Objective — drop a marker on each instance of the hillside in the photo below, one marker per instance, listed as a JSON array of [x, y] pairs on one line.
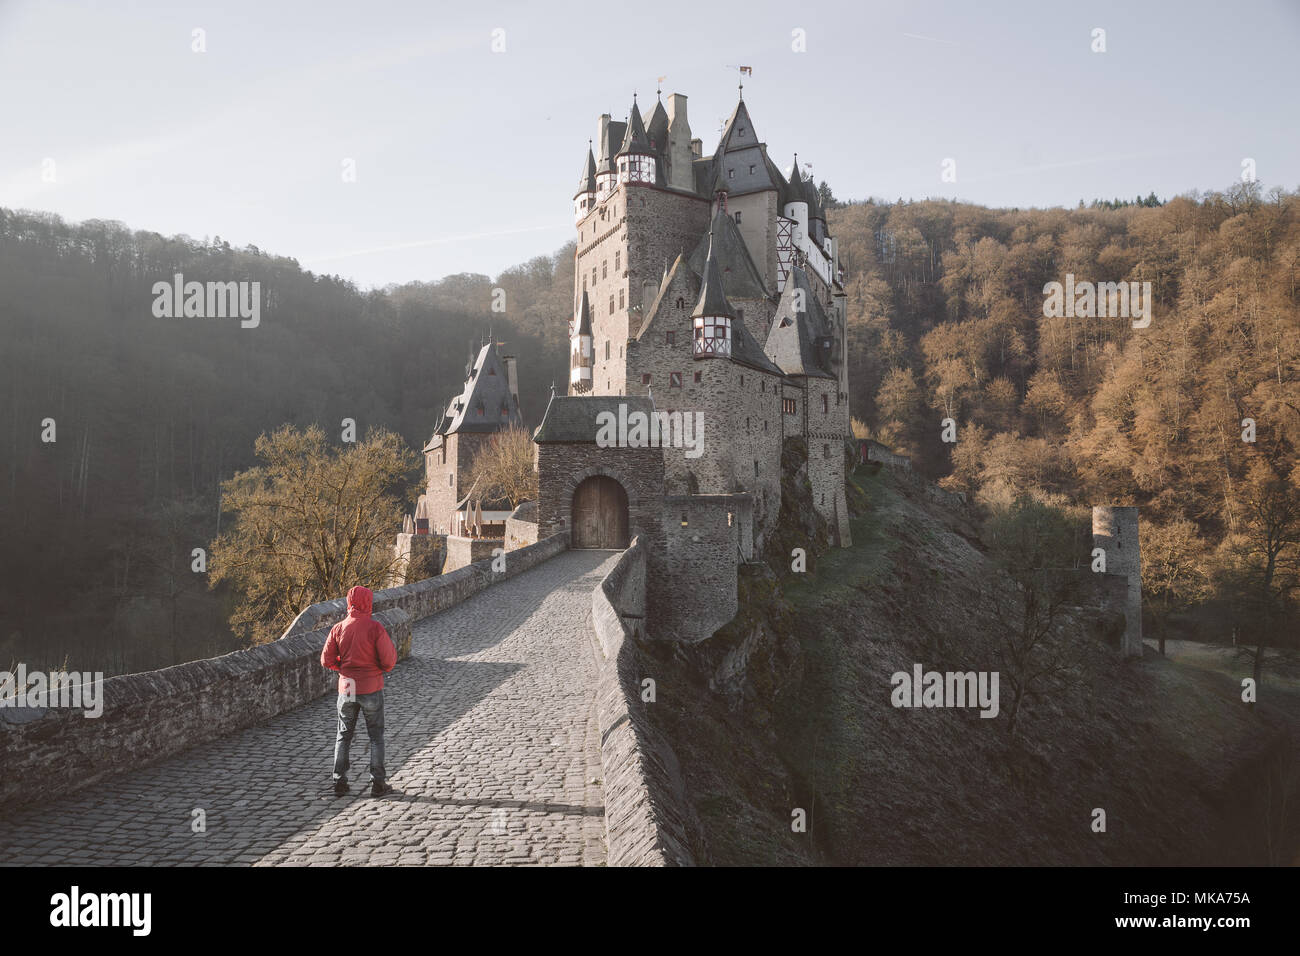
[[1177, 761]]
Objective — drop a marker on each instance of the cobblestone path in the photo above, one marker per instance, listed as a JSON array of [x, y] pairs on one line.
[[492, 746]]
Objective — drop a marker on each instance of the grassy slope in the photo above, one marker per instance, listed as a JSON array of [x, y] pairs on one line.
[[1168, 751]]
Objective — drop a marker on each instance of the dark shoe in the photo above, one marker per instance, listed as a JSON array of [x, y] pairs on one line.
[[341, 786], [378, 789]]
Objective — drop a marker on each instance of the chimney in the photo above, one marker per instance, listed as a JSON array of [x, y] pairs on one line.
[[697, 148], [511, 382], [602, 136], [680, 173]]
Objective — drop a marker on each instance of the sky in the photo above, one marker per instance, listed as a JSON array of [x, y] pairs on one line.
[[466, 125]]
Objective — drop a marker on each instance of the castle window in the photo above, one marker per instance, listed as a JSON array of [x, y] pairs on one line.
[[675, 379], [697, 378], [742, 381], [765, 424], [731, 174], [684, 521], [730, 517], [740, 130], [746, 424], [611, 304], [751, 169], [787, 406], [593, 275], [826, 404], [607, 350], [645, 379], [681, 303], [764, 385], [617, 257], [450, 480], [604, 269], [756, 467], [826, 451], [670, 338], [442, 456], [620, 298]]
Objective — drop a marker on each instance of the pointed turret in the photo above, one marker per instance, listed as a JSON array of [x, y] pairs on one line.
[[580, 348], [636, 160], [656, 128], [585, 198], [712, 316], [635, 140]]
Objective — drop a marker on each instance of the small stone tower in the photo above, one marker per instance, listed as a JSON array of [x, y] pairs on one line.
[[1115, 531]]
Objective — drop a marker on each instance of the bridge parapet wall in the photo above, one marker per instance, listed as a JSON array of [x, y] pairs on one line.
[[50, 752], [646, 811]]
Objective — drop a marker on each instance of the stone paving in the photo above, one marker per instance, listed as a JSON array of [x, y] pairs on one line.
[[492, 748]]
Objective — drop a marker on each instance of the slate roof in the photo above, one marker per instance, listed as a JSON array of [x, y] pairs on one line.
[[792, 342], [488, 389], [635, 140], [740, 276], [572, 418], [713, 297], [587, 180], [614, 133], [584, 315], [656, 127]]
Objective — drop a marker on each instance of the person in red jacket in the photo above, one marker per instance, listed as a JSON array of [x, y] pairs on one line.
[[362, 652]]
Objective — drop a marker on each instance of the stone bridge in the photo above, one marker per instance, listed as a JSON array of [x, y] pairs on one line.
[[502, 726]]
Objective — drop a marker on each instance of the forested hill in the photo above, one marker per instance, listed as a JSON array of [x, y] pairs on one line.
[[946, 321], [152, 413]]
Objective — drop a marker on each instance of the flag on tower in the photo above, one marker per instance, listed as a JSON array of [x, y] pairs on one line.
[[747, 70]]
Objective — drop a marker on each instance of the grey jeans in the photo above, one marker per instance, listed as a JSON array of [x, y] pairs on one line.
[[372, 705]]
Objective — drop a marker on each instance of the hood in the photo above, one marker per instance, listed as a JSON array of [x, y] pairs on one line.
[[360, 600]]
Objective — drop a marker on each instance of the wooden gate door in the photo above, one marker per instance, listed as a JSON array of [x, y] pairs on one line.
[[600, 514]]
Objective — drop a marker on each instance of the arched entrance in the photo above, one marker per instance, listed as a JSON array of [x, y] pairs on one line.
[[600, 514]]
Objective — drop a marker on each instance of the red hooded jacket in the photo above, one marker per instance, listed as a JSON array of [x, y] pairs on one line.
[[359, 648]]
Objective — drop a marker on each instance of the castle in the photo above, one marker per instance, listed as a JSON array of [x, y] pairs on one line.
[[707, 291], [712, 285]]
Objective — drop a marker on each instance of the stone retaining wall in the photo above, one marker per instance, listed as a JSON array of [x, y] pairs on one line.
[[47, 753], [645, 804]]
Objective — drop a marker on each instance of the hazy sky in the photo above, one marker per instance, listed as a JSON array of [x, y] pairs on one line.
[[467, 160]]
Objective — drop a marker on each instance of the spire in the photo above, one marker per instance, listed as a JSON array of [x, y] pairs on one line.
[[635, 141], [584, 315], [587, 179], [713, 298]]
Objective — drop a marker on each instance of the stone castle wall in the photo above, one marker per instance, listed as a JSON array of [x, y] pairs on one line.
[[693, 579], [646, 809]]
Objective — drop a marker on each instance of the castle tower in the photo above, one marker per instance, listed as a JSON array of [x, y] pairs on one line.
[[1115, 531], [636, 160], [585, 198], [712, 316], [580, 349]]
